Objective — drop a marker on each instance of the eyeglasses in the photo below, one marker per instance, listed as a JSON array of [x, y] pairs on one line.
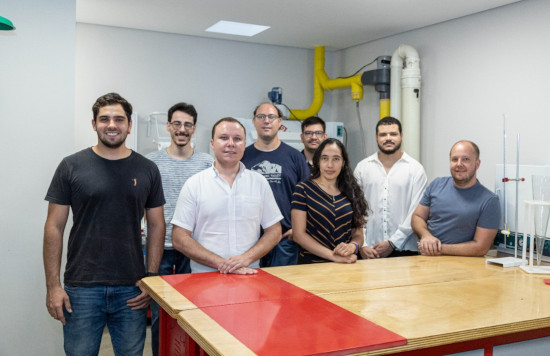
[[177, 125], [311, 133], [270, 117]]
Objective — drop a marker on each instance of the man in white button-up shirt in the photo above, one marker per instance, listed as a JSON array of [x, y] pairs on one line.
[[221, 210], [393, 183]]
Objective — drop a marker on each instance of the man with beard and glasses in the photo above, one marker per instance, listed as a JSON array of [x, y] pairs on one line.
[[313, 134], [457, 215], [176, 163], [109, 188], [393, 183]]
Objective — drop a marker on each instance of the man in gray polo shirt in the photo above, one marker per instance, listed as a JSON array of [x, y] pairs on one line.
[[457, 215]]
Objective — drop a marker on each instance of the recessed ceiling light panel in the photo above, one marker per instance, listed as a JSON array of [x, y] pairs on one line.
[[236, 28]]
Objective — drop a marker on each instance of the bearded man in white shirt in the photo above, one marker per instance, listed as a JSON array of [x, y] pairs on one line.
[[393, 183]]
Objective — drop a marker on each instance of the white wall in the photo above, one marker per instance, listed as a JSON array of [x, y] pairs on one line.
[[156, 70], [474, 69], [36, 121]]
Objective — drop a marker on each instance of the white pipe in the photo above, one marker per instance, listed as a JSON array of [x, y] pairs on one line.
[[405, 96], [395, 85]]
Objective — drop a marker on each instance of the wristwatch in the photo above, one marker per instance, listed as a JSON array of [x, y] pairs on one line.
[[151, 274]]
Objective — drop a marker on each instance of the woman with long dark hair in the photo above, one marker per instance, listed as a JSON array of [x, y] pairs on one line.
[[329, 210]]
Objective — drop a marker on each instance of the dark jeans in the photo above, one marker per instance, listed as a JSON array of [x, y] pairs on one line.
[[97, 306], [285, 253], [173, 262]]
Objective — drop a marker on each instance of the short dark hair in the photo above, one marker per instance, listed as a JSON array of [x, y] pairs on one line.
[[183, 107], [476, 148], [279, 112], [112, 99], [313, 120], [388, 120], [226, 119]]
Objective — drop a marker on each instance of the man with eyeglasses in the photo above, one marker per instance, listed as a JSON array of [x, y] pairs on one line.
[[313, 134], [283, 166], [393, 183], [176, 163]]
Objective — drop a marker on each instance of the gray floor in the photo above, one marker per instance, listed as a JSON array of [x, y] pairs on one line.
[[106, 349]]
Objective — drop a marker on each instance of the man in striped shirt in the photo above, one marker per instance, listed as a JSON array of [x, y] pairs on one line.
[[176, 163]]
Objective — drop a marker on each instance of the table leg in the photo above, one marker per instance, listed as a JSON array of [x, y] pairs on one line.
[[192, 348], [173, 340], [163, 343]]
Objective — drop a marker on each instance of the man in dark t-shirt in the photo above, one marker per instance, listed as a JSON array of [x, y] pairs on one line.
[[313, 134], [109, 188], [283, 166]]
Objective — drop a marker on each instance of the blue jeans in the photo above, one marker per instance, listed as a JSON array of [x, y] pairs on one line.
[[93, 308], [173, 262], [285, 253]]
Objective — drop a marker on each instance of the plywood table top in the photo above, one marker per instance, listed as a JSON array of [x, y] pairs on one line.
[[428, 300], [453, 311], [329, 278], [166, 296]]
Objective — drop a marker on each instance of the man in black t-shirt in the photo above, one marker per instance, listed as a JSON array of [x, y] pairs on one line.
[[109, 188], [313, 134]]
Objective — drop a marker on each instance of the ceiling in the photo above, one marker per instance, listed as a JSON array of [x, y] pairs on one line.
[[336, 24]]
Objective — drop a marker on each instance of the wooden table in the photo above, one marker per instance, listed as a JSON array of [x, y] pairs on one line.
[[438, 304]]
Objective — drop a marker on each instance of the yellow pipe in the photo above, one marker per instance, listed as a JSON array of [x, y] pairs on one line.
[[384, 108], [318, 96], [322, 82]]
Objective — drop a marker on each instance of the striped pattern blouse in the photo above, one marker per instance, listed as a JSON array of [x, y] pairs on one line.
[[328, 218]]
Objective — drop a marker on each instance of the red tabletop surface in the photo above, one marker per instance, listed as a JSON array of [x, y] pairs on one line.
[[273, 317]]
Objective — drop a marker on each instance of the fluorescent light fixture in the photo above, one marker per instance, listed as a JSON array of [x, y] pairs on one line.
[[236, 28]]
